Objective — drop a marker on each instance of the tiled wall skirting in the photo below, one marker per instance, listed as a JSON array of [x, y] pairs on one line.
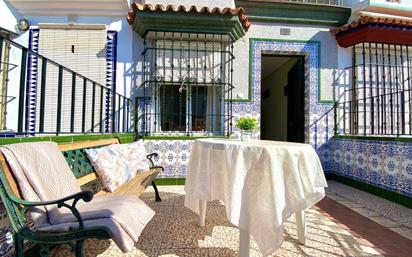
[[384, 164]]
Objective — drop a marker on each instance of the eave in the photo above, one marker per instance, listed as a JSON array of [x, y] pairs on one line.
[[69, 7], [144, 18], [375, 29], [297, 13]]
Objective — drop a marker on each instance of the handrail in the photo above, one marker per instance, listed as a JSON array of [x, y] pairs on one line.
[[99, 107], [29, 51]]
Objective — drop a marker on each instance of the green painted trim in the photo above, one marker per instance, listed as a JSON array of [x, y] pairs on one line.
[[252, 40], [188, 22], [389, 195], [335, 119], [170, 181], [124, 138], [295, 13], [375, 138], [294, 21], [178, 137]]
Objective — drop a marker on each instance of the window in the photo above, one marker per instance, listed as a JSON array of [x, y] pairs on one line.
[[379, 100], [190, 108], [187, 84]]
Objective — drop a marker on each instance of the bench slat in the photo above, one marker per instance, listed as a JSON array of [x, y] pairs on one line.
[[87, 144], [132, 187], [135, 187], [86, 179]]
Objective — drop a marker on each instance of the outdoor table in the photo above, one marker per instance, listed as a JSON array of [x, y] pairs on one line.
[[261, 183]]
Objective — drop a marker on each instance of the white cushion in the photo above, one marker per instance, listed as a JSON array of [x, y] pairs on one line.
[[118, 163]]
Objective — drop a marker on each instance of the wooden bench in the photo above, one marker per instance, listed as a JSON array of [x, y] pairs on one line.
[[90, 184]]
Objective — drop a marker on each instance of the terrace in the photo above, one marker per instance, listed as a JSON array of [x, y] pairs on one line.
[[362, 137], [347, 222]]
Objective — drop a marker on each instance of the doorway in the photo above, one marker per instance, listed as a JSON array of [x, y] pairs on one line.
[[282, 101]]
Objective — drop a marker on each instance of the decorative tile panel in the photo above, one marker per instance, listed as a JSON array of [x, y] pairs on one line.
[[319, 117], [319, 121], [385, 164], [173, 156], [31, 82]]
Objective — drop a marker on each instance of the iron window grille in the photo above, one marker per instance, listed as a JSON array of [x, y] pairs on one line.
[[379, 100], [187, 84]]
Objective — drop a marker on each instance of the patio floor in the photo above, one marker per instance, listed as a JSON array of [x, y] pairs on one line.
[[348, 222]]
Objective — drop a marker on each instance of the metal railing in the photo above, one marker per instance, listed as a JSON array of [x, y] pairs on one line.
[[49, 98], [379, 102], [187, 83]]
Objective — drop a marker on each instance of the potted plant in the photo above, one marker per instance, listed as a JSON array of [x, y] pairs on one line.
[[246, 125]]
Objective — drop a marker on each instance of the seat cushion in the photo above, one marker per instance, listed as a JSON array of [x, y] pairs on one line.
[[118, 163]]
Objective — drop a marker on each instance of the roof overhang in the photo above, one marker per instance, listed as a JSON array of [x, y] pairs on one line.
[[70, 7], [146, 17], [384, 30], [294, 12]]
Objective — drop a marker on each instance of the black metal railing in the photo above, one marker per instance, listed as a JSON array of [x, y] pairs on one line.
[[50, 98], [380, 99], [187, 84]]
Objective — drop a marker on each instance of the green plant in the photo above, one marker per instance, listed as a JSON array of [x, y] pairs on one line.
[[246, 123]]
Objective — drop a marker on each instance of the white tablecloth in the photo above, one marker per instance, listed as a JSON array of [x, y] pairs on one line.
[[260, 182]]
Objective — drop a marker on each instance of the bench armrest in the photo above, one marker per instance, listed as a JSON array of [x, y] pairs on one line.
[[150, 158], [86, 196]]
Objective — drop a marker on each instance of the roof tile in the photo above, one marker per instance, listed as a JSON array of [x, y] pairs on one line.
[[192, 9], [373, 20]]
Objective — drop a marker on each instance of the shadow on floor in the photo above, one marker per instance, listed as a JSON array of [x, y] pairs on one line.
[[173, 231]]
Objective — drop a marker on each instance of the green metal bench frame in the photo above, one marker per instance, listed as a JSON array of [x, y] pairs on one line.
[[17, 211]]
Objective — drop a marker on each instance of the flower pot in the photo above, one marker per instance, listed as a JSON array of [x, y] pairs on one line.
[[246, 135]]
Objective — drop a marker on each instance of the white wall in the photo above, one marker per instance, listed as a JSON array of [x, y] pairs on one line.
[[328, 51], [8, 17], [353, 3], [125, 52], [124, 49], [8, 21]]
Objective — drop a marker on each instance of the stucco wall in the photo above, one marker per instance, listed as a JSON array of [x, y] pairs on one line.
[[8, 21], [125, 78], [9, 17], [329, 53]]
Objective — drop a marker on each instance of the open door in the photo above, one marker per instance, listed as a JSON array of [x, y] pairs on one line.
[[296, 103]]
